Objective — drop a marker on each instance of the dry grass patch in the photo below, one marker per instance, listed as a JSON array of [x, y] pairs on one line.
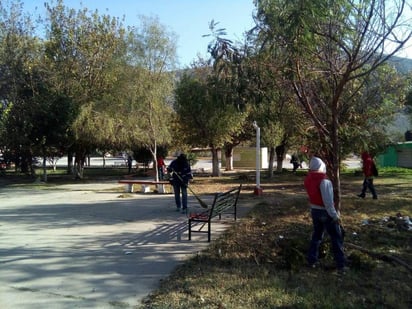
[[260, 261]]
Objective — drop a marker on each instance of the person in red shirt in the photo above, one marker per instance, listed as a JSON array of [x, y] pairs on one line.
[[367, 168], [161, 166], [324, 215]]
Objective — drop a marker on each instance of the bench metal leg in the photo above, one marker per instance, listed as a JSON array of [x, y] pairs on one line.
[[161, 188], [209, 230], [129, 188], [190, 229]]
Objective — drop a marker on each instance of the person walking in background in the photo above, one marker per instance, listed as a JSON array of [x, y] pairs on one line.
[[161, 167], [181, 173], [369, 170], [295, 161], [324, 215], [129, 163]]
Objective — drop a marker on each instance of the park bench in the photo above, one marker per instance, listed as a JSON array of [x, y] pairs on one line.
[[160, 185], [223, 203]]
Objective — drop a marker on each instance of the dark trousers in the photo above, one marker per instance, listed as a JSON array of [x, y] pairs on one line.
[[296, 165], [161, 173], [321, 222], [178, 188], [368, 184]]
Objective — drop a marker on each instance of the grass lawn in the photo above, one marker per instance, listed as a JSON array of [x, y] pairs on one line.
[[260, 261]]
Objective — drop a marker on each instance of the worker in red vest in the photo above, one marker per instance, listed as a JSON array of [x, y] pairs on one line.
[[324, 215]]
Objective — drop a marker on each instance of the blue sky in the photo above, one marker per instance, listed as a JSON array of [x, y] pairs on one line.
[[188, 19]]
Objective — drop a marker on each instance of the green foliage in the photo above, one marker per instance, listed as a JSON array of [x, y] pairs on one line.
[[33, 117], [74, 61], [145, 107], [205, 117], [333, 54], [192, 158], [142, 155], [89, 84]]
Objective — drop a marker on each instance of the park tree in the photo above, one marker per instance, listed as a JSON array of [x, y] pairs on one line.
[[16, 52], [274, 106], [228, 63], [259, 90], [206, 114], [147, 105], [83, 50], [330, 49], [32, 117], [375, 107]]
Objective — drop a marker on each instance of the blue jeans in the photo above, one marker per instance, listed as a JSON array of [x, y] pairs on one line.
[[321, 222], [178, 188]]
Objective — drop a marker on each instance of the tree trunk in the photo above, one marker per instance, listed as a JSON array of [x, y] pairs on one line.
[[229, 157], [271, 161], [215, 162], [79, 165], [44, 168], [335, 160], [155, 166], [70, 162], [280, 155], [24, 163]]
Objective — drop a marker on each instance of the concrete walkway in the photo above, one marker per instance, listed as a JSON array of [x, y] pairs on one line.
[[83, 246]]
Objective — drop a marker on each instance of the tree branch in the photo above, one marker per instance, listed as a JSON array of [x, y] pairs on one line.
[[383, 257]]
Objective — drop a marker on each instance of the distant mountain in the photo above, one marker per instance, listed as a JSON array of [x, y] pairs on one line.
[[402, 65]]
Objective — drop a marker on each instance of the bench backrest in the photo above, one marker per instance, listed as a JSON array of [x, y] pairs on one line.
[[224, 201]]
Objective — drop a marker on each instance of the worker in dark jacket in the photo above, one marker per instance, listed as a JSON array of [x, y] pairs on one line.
[[181, 173]]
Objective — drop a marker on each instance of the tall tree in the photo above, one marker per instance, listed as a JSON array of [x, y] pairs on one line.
[[83, 50], [275, 106], [205, 118], [28, 112], [331, 48], [257, 88], [147, 105], [228, 66]]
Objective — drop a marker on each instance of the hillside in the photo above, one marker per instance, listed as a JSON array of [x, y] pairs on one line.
[[403, 65]]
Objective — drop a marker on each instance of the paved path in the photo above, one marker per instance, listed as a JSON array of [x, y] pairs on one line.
[[82, 246]]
